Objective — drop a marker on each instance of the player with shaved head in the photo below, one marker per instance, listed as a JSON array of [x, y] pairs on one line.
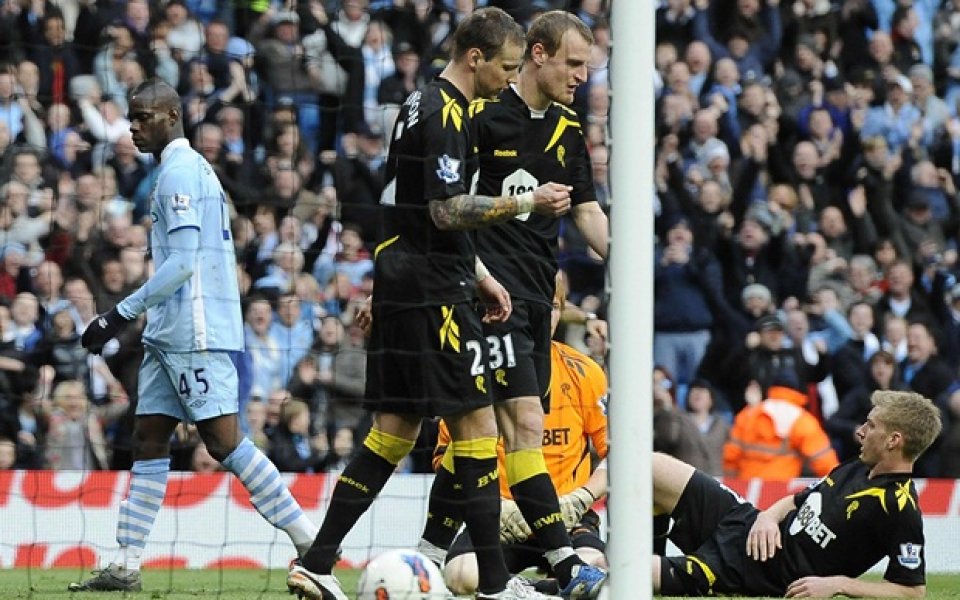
[[193, 329]]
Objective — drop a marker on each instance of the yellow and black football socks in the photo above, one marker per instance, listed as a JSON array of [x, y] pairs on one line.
[[475, 468], [355, 491], [444, 512], [537, 499]]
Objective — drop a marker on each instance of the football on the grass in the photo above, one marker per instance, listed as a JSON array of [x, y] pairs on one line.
[[401, 575]]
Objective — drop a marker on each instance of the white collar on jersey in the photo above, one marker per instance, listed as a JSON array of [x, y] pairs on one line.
[[534, 113], [173, 145]]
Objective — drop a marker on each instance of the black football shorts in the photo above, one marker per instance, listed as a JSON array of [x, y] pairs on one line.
[[428, 361], [519, 352], [711, 527]]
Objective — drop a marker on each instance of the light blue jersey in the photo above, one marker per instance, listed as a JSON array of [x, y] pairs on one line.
[[204, 312]]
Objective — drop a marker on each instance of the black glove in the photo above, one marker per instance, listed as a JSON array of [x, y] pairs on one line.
[[102, 329]]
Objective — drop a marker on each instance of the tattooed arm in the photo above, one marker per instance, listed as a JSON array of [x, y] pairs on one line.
[[469, 211], [472, 211]]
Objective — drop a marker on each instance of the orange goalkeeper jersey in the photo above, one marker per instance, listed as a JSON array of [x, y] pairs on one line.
[[578, 395]]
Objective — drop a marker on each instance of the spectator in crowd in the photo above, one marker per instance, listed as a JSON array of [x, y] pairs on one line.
[[894, 339], [281, 271], [284, 68], [778, 438], [882, 374], [753, 42], [378, 64], [239, 151], [55, 60], [202, 462], [295, 335], [816, 346], [256, 425], [358, 177], [395, 87], [337, 374], [75, 438], [341, 450], [713, 425], [894, 120], [24, 316], [263, 348], [926, 373], [294, 447], [950, 448], [674, 431], [764, 359], [60, 348], [688, 285], [850, 361], [352, 259], [902, 298]]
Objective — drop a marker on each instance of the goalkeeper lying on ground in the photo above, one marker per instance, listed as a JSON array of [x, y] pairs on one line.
[[577, 416]]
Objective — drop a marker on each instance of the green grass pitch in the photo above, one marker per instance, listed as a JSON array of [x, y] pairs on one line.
[[243, 585]]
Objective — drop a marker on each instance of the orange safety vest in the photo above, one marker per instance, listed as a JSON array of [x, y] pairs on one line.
[[776, 438]]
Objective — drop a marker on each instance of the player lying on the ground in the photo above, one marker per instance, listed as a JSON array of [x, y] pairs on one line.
[[814, 544], [576, 418]]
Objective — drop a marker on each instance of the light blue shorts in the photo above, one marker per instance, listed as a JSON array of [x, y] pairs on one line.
[[190, 386]]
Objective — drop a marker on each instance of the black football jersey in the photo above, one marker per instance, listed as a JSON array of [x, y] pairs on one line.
[[518, 151], [432, 157], [847, 522]]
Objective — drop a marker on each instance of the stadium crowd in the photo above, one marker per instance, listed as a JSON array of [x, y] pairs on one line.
[[808, 157], [290, 103]]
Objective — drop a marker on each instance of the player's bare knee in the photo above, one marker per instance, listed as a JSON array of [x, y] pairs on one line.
[[460, 575], [670, 478], [520, 421], [220, 438], [474, 424], [151, 440], [592, 556], [406, 427]]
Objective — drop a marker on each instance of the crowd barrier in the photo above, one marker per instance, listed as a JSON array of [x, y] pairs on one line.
[[68, 519]]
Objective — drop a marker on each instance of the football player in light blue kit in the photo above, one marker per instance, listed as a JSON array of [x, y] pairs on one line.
[[194, 323]]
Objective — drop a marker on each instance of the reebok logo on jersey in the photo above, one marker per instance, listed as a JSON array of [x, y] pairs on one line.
[[909, 556], [505, 153], [181, 202], [449, 171]]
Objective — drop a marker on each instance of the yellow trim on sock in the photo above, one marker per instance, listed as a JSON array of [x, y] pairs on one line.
[[447, 461], [524, 464], [476, 448], [707, 571], [388, 447]]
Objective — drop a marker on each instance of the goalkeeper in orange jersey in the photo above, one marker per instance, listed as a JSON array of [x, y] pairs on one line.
[[577, 418]]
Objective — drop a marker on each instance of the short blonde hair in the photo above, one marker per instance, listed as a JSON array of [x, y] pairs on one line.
[[910, 414]]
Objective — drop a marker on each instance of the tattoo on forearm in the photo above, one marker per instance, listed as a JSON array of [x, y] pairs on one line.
[[469, 211]]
